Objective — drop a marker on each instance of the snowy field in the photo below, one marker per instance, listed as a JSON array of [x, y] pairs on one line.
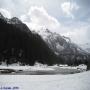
[[39, 69], [43, 77], [80, 81]]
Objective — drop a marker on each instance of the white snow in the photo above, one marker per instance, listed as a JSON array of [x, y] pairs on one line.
[[82, 67], [59, 47], [41, 67], [79, 81], [36, 67], [26, 68]]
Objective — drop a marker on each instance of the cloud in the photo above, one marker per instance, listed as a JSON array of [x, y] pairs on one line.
[[61, 16], [5, 13], [68, 7], [38, 17], [78, 34]]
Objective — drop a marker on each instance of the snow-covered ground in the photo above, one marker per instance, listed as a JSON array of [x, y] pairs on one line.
[[80, 81], [40, 69], [39, 66], [36, 67]]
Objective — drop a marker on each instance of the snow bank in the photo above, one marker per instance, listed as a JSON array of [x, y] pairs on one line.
[[81, 67], [36, 67], [79, 81], [62, 69]]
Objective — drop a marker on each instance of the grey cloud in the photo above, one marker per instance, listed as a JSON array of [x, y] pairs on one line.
[[82, 15], [84, 11]]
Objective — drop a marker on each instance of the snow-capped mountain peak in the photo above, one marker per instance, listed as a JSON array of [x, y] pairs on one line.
[[59, 44]]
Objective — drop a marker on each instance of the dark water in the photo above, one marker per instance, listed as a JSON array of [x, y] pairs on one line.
[[40, 72]]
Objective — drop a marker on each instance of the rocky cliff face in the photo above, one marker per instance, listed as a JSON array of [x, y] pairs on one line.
[[64, 47]]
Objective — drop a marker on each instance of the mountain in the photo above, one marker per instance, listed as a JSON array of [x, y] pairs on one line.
[[86, 47], [19, 44], [62, 46], [88, 50]]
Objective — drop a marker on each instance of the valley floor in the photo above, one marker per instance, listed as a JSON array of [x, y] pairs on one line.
[[80, 81], [39, 69]]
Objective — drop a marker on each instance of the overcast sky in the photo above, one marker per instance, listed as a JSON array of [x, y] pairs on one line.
[[67, 17]]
